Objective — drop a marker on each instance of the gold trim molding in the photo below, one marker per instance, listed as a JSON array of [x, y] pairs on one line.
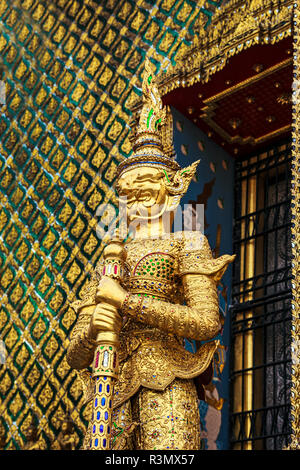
[[295, 213], [211, 104], [249, 81], [235, 27]]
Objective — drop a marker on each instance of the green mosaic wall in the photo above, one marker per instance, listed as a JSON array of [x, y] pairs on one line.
[[72, 69]]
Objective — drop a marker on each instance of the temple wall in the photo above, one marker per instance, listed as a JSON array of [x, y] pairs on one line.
[[70, 71]]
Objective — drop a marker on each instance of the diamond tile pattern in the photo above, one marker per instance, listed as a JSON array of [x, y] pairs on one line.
[[72, 70]]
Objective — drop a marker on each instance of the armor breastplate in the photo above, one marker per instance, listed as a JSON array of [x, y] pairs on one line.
[[154, 275], [151, 355]]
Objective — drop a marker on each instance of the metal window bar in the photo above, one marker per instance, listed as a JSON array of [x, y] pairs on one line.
[[260, 361]]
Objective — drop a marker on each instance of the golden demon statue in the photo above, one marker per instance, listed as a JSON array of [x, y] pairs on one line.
[[167, 291]]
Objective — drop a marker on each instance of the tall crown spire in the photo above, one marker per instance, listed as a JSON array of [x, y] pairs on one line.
[[153, 142], [153, 113], [152, 145]]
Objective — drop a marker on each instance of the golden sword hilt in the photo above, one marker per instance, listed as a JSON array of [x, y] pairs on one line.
[[106, 364]]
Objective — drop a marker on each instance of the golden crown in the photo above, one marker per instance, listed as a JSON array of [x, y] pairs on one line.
[[153, 141]]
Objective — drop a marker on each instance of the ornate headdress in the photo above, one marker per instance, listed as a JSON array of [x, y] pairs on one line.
[[153, 142]]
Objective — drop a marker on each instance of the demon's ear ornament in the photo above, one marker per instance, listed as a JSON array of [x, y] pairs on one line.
[[178, 185]]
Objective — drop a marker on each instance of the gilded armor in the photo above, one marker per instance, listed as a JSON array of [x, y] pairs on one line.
[[162, 274]]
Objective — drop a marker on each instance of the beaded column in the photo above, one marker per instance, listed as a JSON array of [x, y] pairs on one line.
[[106, 364]]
